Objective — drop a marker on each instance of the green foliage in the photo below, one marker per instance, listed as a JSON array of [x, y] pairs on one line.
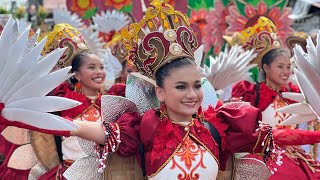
[[281, 4], [241, 4], [198, 4], [226, 2], [20, 12], [126, 9], [255, 74], [42, 13], [90, 13], [3, 10]]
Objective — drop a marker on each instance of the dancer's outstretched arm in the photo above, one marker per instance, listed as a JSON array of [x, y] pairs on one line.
[[92, 131]]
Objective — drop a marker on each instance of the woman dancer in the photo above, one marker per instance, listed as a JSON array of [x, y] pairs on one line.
[[267, 96]]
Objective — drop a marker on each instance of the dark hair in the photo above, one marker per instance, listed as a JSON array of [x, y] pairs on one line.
[[166, 69], [271, 55], [77, 62], [124, 64]]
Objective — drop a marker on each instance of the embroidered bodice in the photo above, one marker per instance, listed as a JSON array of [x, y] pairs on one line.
[[191, 161], [271, 116], [71, 149]]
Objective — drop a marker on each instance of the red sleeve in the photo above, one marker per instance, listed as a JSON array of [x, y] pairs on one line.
[[129, 133], [61, 89], [210, 116], [295, 137], [246, 90], [118, 89], [241, 135], [149, 124], [293, 88]]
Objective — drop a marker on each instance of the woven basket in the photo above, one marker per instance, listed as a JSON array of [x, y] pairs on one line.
[[45, 149], [120, 168]]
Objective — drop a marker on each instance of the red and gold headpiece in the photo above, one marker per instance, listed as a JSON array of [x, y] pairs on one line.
[[161, 36], [118, 49], [64, 35], [262, 37]]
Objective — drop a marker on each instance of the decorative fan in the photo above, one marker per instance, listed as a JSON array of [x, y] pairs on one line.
[[25, 80], [112, 65], [229, 67], [110, 21], [93, 41], [308, 77], [65, 16]]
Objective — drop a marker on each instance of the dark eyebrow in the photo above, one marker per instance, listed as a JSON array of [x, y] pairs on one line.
[[91, 64], [181, 82], [184, 83]]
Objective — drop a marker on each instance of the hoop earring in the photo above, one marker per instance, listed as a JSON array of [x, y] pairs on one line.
[[163, 111]]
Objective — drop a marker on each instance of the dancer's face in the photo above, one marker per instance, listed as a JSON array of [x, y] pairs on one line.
[[91, 74], [279, 71], [126, 71], [181, 92]]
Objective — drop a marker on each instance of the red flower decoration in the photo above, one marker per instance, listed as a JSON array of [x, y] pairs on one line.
[[199, 18], [280, 18], [215, 28], [80, 6], [118, 4]]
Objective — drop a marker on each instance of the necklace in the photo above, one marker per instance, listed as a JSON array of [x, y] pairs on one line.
[[273, 89], [92, 98], [184, 124]]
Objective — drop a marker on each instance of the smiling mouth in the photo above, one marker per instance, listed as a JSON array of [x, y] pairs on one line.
[[190, 104], [98, 79]]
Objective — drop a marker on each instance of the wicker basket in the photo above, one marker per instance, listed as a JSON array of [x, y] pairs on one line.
[[123, 168], [44, 146]]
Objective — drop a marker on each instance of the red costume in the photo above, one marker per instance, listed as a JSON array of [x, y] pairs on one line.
[[294, 158]]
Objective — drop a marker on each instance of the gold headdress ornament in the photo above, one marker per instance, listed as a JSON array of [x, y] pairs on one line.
[[117, 48], [299, 38], [262, 37], [162, 35], [64, 35]]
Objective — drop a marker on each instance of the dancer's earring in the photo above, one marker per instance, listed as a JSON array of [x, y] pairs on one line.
[[163, 111], [200, 115]]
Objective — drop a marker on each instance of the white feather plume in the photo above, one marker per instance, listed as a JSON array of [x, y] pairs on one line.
[[24, 81], [95, 43], [229, 67], [112, 65], [65, 16], [109, 21]]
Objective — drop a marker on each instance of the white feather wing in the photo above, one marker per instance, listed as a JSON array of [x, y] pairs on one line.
[[24, 81]]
